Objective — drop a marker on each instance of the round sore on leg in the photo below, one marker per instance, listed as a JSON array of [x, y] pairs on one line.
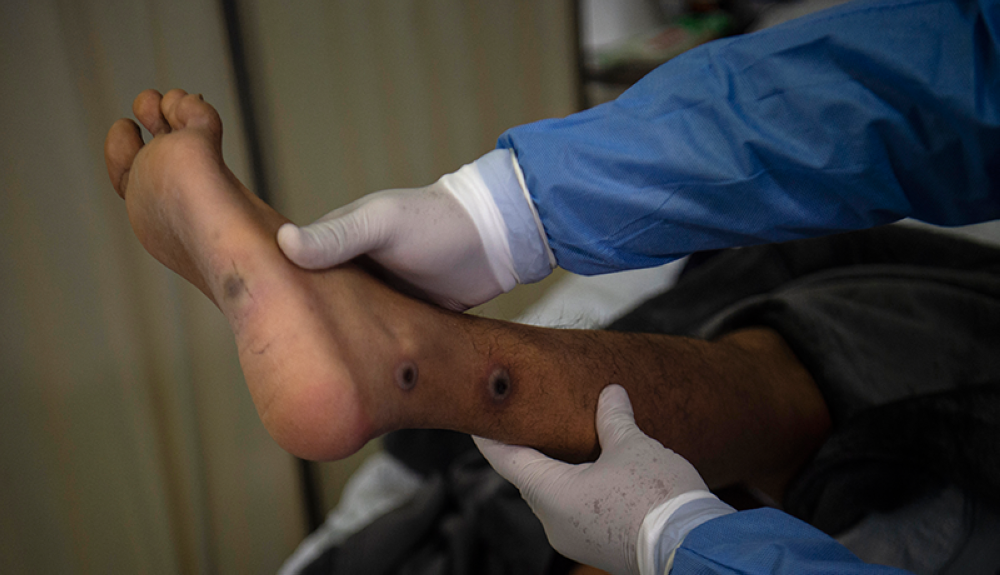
[[499, 384], [406, 375]]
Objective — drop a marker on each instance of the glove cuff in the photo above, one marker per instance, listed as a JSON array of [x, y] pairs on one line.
[[467, 187], [532, 258], [666, 525]]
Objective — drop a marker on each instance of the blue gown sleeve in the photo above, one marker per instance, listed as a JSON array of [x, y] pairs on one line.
[[845, 119], [766, 541]]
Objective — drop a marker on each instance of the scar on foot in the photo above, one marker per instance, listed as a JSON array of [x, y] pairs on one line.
[[234, 286], [406, 375], [499, 384]]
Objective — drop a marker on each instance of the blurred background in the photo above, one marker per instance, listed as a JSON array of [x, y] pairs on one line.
[[128, 441]]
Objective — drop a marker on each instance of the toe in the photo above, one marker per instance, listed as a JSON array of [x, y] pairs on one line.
[[120, 147], [146, 108], [191, 111], [169, 102]]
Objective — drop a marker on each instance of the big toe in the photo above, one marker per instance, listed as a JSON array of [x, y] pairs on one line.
[[123, 142]]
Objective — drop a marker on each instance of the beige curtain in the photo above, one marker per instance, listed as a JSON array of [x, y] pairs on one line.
[[128, 442], [357, 96]]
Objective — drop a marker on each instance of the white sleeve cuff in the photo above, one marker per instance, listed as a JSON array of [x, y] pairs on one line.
[[666, 525], [467, 186], [532, 258]]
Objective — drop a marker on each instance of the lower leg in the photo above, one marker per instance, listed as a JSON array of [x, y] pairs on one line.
[[334, 358], [741, 408]]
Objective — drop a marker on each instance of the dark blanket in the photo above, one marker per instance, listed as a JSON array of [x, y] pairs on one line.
[[901, 331], [465, 519], [900, 328]]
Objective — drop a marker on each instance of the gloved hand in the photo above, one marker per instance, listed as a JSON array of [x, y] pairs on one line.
[[447, 240], [626, 512]]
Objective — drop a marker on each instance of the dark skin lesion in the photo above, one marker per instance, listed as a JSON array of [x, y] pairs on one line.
[[234, 287], [406, 375], [500, 385]]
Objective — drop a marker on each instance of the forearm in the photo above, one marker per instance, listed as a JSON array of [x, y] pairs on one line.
[[847, 119]]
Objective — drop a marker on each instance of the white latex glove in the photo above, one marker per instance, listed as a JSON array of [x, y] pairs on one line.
[[614, 513], [447, 240]]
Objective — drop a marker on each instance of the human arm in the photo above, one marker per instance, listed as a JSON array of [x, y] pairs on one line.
[[596, 513], [641, 509], [452, 243], [845, 119]]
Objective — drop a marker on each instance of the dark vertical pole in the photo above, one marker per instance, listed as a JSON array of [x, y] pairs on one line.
[[307, 480], [237, 53], [582, 101]]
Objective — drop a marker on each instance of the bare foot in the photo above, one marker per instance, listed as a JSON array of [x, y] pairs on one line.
[[334, 358], [303, 354]]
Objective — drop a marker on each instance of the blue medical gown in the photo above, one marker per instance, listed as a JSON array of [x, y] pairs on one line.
[[845, 119], [765, 542]]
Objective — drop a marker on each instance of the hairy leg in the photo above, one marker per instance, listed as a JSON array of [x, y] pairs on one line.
[[335, 358]]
